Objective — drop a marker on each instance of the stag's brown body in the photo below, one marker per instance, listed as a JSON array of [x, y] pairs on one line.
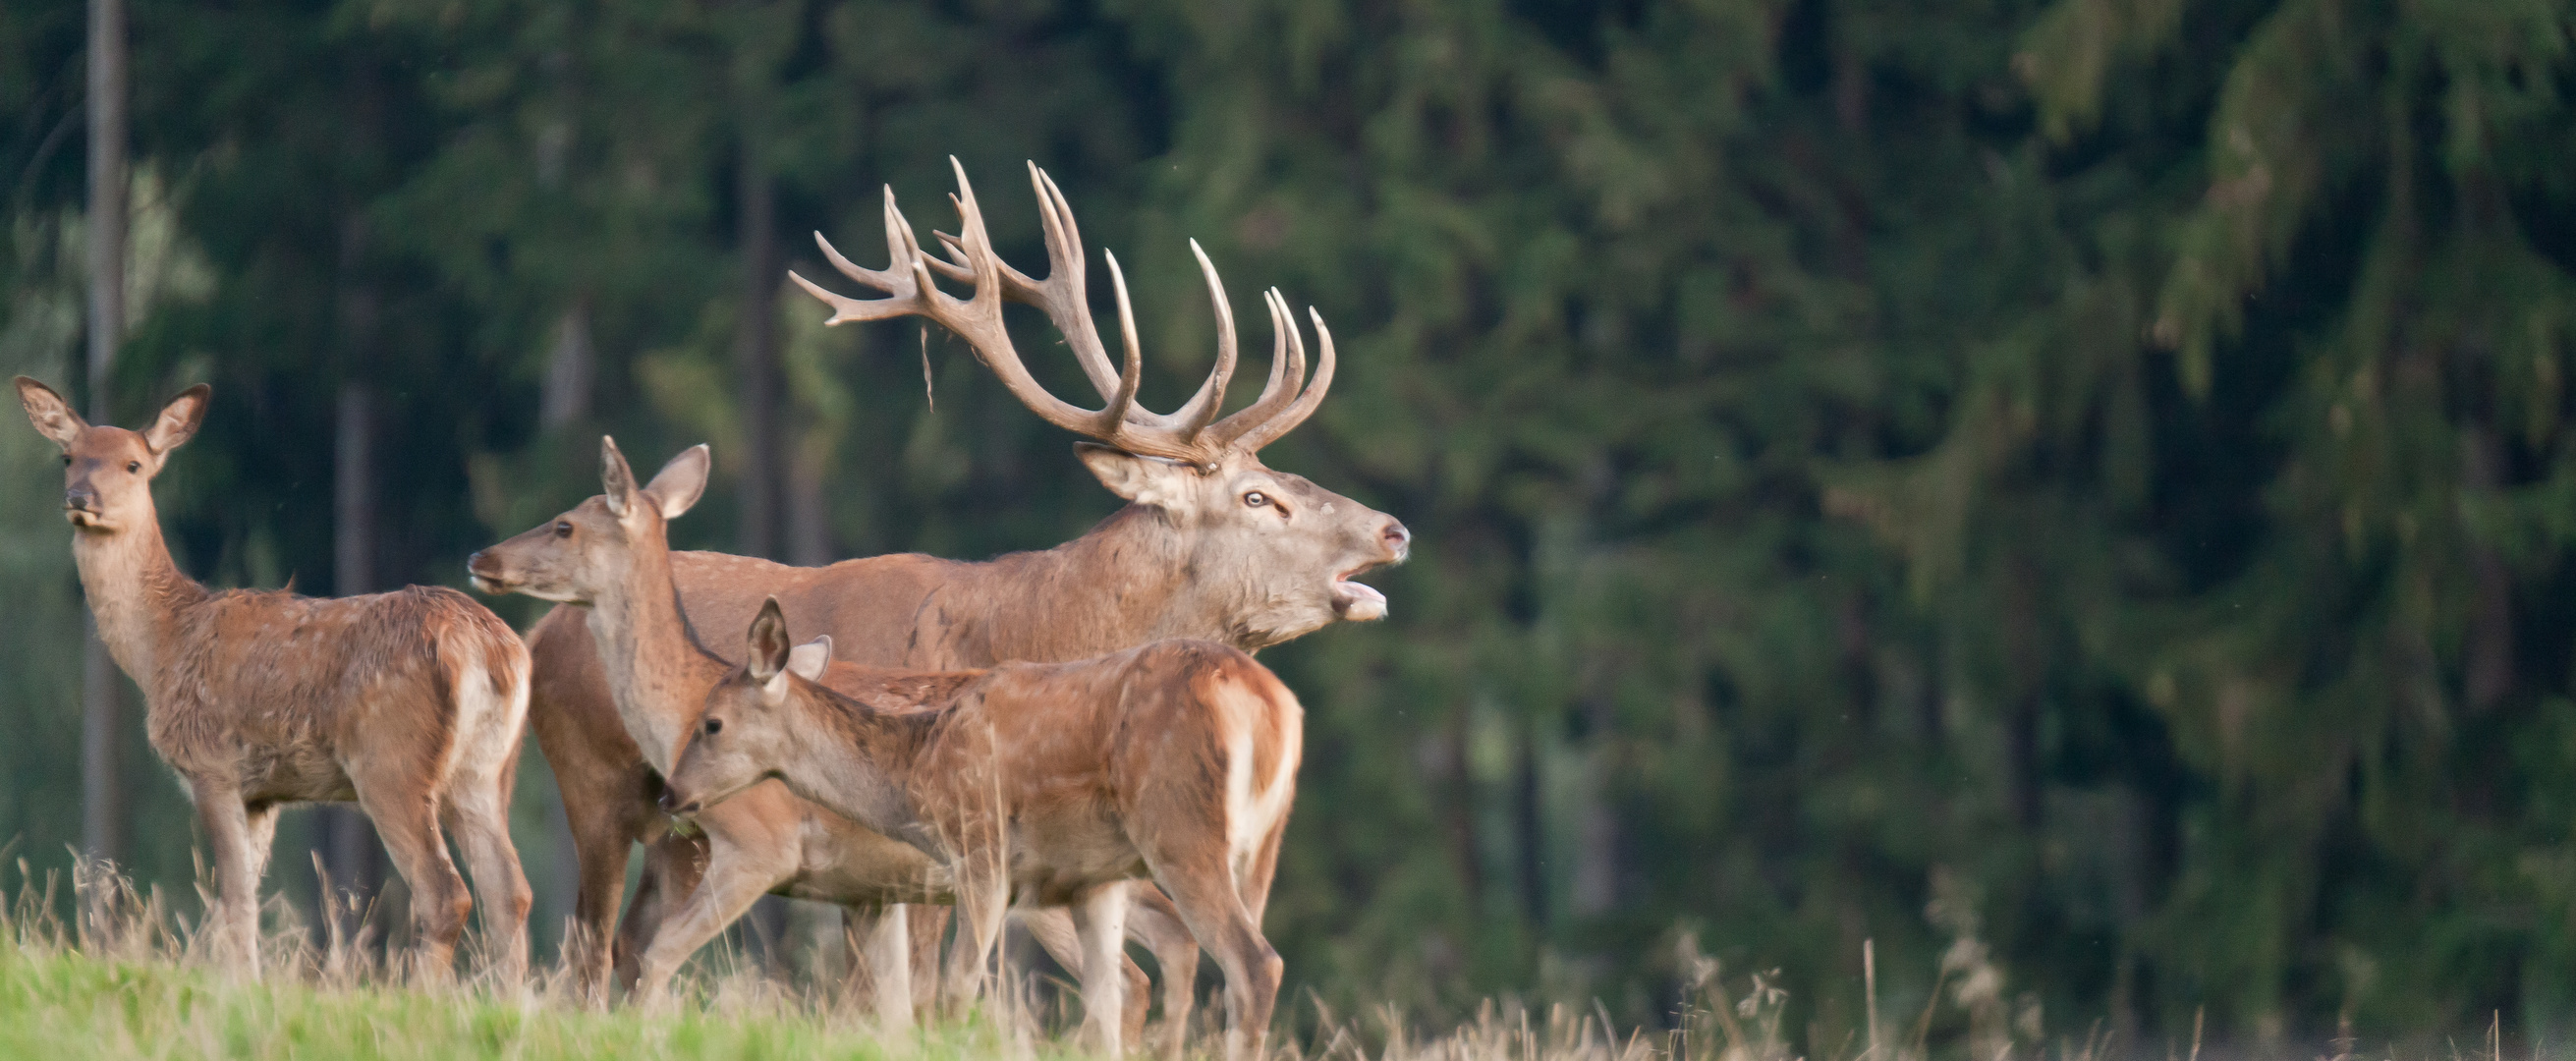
[[610, 554], [1047, 783], [1213, 545], [410, 702]]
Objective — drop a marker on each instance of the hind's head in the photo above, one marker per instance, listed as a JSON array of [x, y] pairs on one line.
[[108, 470]]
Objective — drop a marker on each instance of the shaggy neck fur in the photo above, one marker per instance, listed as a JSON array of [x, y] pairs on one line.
[[1130, 581], [135, 591], [657, 671]]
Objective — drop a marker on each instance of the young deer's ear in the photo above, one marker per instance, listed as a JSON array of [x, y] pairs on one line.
[[616, 480], [767, 661], [179, 420], [681, 481], [52, 416], [808, 660], [1143, 480]]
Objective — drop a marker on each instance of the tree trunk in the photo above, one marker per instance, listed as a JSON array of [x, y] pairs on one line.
[[348, 841], [102, 691], [765, 461]]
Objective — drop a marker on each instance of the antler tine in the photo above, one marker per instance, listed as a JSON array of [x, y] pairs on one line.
[[1313, 395], [1067, 282], [1193, 415], [1287, 370], [895, 280], [1134, 372]]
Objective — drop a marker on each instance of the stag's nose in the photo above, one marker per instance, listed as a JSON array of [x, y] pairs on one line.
[[1397, 539]]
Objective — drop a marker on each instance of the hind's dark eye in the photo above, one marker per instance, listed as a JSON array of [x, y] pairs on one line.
[[134, 466], [715, 726], [563, 528], [67, 460]]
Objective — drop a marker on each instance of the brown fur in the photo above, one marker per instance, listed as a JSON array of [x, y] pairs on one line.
[[613, 556], [408, 702], [1056, 783], [1188, 558]]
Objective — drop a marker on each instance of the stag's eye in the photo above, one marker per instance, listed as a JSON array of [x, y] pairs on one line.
[[715, 726], [134, 466], [1256, 499], [563, 528]]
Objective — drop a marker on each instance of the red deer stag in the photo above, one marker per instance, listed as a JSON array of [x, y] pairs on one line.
[[408, 702], [1059, 783], [1213, 545], [611, 554]]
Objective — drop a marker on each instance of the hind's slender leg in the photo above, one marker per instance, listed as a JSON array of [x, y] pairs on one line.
[[482, 827], [1100, 919], [407, 821], [237, 868]]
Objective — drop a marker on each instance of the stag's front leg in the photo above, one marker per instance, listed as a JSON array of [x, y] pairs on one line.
[[238, 861], [1100, 919]]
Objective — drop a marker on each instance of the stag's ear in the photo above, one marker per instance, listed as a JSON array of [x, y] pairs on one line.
[[616, 480], [179, 420], [768, 651], [1143, 480], [52, 416], [681, 481], [808, 660]]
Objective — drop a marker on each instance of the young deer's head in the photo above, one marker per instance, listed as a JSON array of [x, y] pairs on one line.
[[107, 471], [743, 737], [589, 551], [1272, 553]]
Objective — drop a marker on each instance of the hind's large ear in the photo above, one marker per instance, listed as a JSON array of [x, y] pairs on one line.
[[808, 660], [179, 420], [52, 416], [616, 480], [768, 649], [681, 481]]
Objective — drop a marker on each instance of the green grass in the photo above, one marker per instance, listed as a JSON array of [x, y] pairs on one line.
[[62, 1006]]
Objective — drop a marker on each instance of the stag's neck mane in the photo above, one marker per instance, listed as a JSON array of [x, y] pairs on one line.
[[1126, 582], [136, 592], [658, 671]]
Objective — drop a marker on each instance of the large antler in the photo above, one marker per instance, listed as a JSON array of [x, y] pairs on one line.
[[1190, 433]]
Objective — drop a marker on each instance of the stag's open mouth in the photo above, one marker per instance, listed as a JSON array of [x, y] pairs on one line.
[[1357, 601]]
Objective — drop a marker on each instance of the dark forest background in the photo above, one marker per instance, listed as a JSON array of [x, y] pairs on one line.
[[2080, 493]]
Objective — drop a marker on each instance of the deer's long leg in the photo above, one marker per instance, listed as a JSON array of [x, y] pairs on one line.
[[237, 869], [1155, 922], [1058, 933], [480, 820], [404, 812], [1203, 888], [1100, 918], [739, 870]]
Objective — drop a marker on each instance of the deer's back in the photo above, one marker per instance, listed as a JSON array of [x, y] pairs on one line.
[[872, 606], [278, 688]]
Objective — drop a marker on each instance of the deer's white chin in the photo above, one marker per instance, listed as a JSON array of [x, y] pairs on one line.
[[1358, 602]]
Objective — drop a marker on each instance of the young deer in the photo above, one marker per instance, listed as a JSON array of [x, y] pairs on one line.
[[1058, 782], [612, 554], [408, 702], [1214, 544]]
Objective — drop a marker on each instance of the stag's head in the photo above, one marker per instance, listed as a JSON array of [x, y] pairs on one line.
[[742, 739], [1277, 553], [107, 471], [590, 550]]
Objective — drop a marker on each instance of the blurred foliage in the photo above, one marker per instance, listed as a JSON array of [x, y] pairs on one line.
[[2075, 492]]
